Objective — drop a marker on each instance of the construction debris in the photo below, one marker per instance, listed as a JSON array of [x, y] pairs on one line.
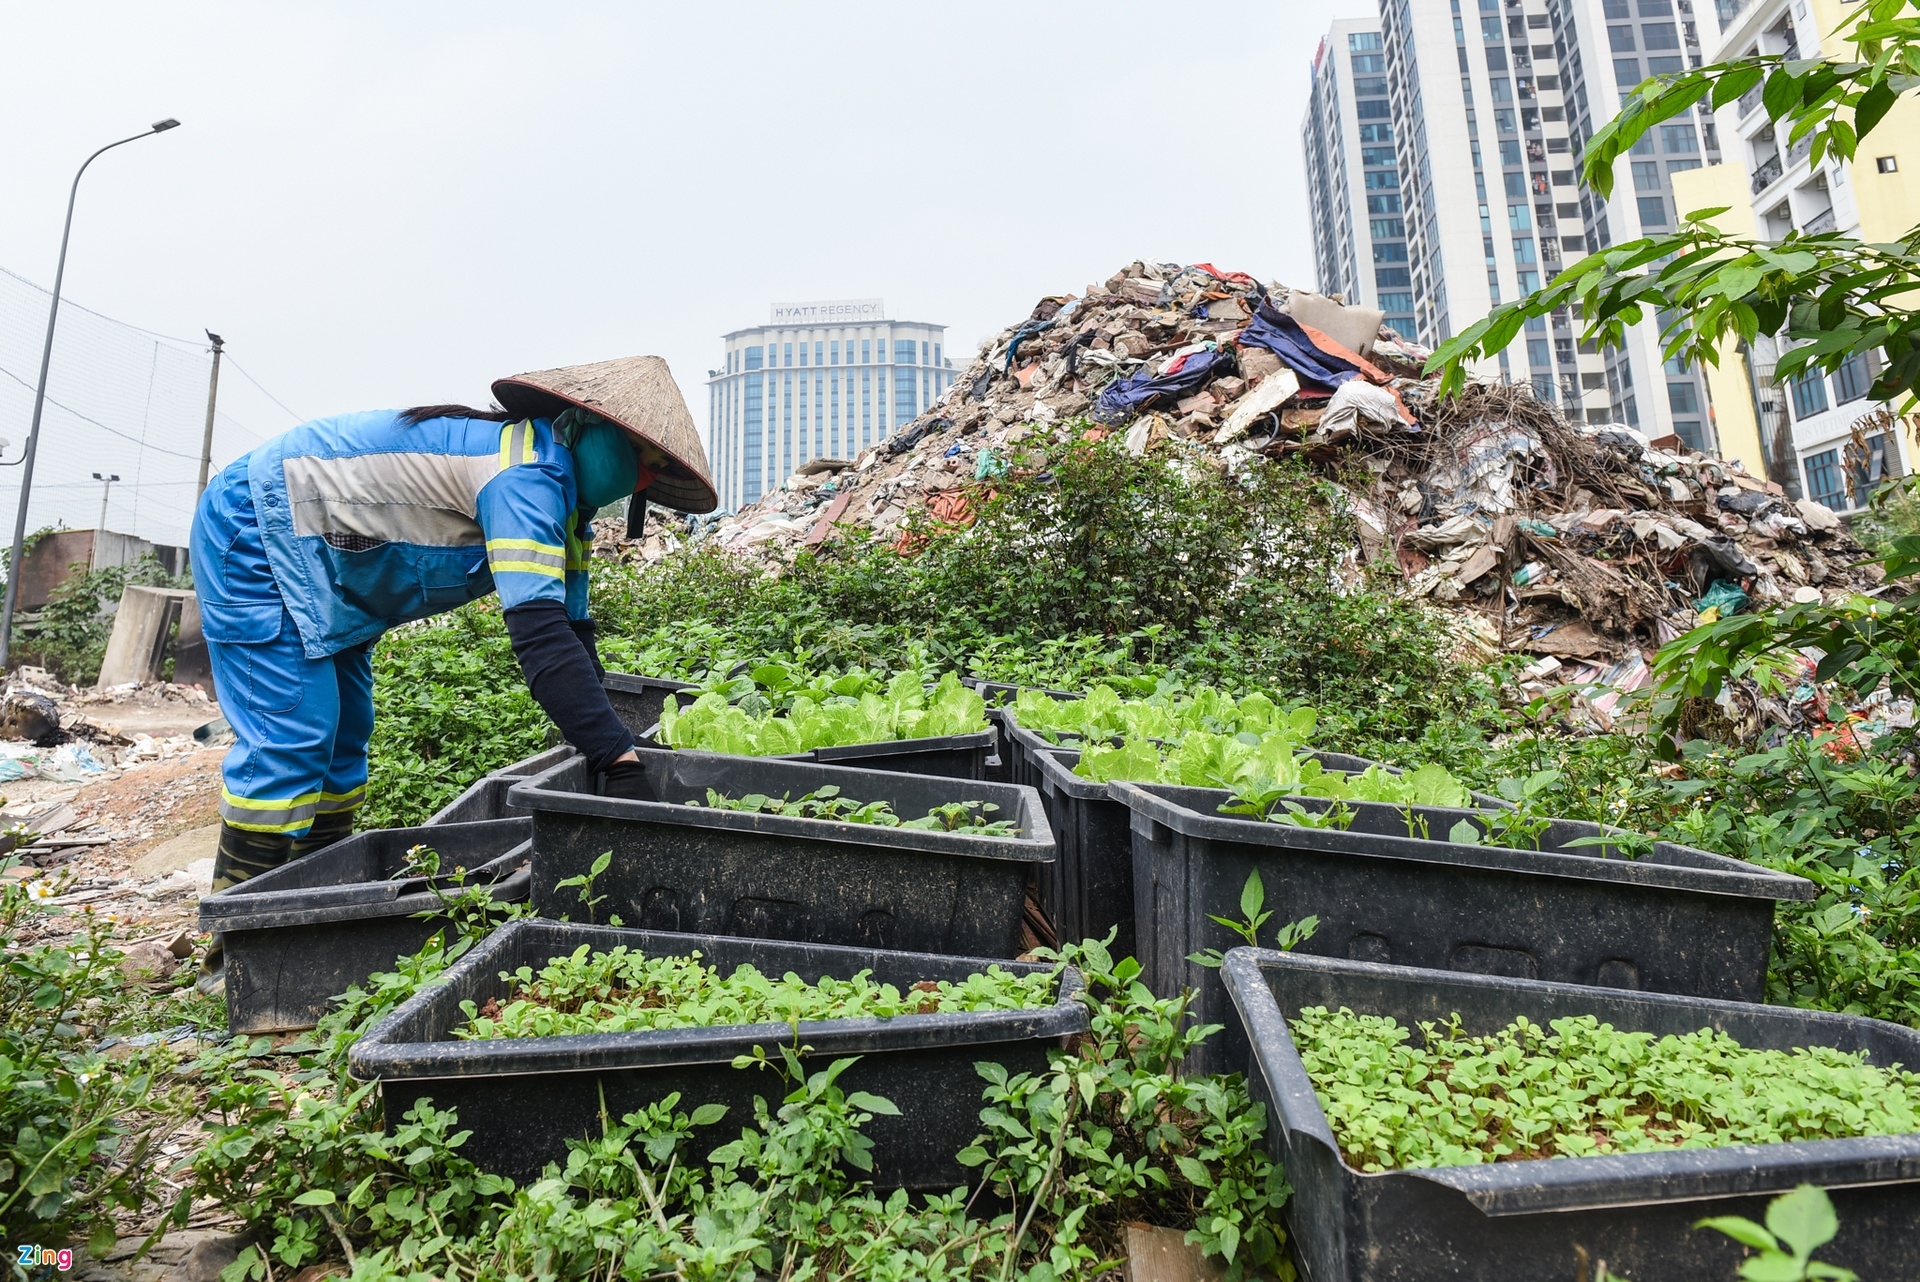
[[51, 730], [1586, 545]]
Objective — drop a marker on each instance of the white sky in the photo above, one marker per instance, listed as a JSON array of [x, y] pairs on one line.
[[386, 204]]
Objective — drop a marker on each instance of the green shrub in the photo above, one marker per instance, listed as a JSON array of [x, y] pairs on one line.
[[450, 704]]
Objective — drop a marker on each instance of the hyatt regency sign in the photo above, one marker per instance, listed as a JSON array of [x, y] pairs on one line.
[[845, 311]]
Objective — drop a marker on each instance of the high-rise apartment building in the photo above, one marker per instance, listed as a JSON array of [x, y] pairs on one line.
[[820, 380], [1489, 104], [1605, 48], [1806, 430], [1353, 175]]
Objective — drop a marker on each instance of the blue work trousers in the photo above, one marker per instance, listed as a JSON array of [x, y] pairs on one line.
[[301, 724]]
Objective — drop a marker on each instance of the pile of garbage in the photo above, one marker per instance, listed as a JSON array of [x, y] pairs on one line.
[[71, 734], [1586, 545]]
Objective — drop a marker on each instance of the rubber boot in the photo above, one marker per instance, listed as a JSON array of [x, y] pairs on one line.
[[335, 825], [241, 855]]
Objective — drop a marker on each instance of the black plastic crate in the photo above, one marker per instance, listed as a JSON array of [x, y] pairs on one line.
[[486, 797], [1000, 696], [300, 935], [1532, 1219], [637, 700], [1676, 920], [1088, 890], [523, 1098], [954, 756], [1090, 887], [682, 868]]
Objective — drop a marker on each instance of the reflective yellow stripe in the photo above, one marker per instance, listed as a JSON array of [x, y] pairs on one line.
[[526, 545], [287, 803], [516, 444], [244, 826], [335, 802], [529, 567], [275, 815]]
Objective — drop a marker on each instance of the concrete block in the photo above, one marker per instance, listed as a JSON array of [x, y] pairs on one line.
[[142, 628]]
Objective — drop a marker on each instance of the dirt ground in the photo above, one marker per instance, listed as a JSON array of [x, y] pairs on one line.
[[159, 819]]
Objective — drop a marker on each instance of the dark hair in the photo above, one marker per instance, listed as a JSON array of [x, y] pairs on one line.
[[421, 413]]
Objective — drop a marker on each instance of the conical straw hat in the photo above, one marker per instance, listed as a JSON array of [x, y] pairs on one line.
[[638, 393]]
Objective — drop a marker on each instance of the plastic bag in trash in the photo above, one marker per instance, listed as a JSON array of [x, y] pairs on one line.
[[70, 763]]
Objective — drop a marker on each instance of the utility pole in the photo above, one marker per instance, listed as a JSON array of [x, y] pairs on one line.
[[106, 488], [206, 439], [40, 398]]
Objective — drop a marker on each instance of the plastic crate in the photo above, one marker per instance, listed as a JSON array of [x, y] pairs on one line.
[[700, 870], [1534, 1219], [300, 935], [523, 1098], [1090, 887], [638, 700], [1676, 920], [486, 797]]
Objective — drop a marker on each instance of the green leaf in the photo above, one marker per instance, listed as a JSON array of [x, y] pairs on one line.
[[1741, 1230], [1253, 896], [1781, 94], [1734, 83], [1772, 1267], [1195, 1171], [315, 1197], [249, 1264], [708, 1114], [1803, 1219], [873, 1104], [1464, 833]]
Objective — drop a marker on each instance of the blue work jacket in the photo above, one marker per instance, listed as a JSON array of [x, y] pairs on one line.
[[369, 522]]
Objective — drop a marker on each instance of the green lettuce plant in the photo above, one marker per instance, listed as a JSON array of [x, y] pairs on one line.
[[906, 710]]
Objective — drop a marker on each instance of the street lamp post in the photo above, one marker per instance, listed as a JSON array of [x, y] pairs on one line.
[[106, 488], [40, 397]]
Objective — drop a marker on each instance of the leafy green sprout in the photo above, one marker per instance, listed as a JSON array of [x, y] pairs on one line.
[[585, 881], [1254, 914], [1435, 1095], [826, 803], [1338, 815], [1798, 1223]]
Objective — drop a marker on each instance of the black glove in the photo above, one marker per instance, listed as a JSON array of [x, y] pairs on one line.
[[590, 638], [628, 781], [560, 673]]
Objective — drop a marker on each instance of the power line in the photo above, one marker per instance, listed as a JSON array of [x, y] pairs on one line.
[[159, 449], [68, 302], [297, 416]]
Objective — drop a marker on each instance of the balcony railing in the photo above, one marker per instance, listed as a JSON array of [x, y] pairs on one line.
[[1767, 175], [1822, 221], [1797, 152], [1750, 100]]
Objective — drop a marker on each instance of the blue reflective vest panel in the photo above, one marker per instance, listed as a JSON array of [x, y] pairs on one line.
[[369, 522]]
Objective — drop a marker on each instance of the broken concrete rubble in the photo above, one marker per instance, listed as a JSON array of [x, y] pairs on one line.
[[1583, 544]]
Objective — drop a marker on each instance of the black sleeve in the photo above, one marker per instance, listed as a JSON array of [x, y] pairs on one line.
[[590, 638], [560, 673]]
